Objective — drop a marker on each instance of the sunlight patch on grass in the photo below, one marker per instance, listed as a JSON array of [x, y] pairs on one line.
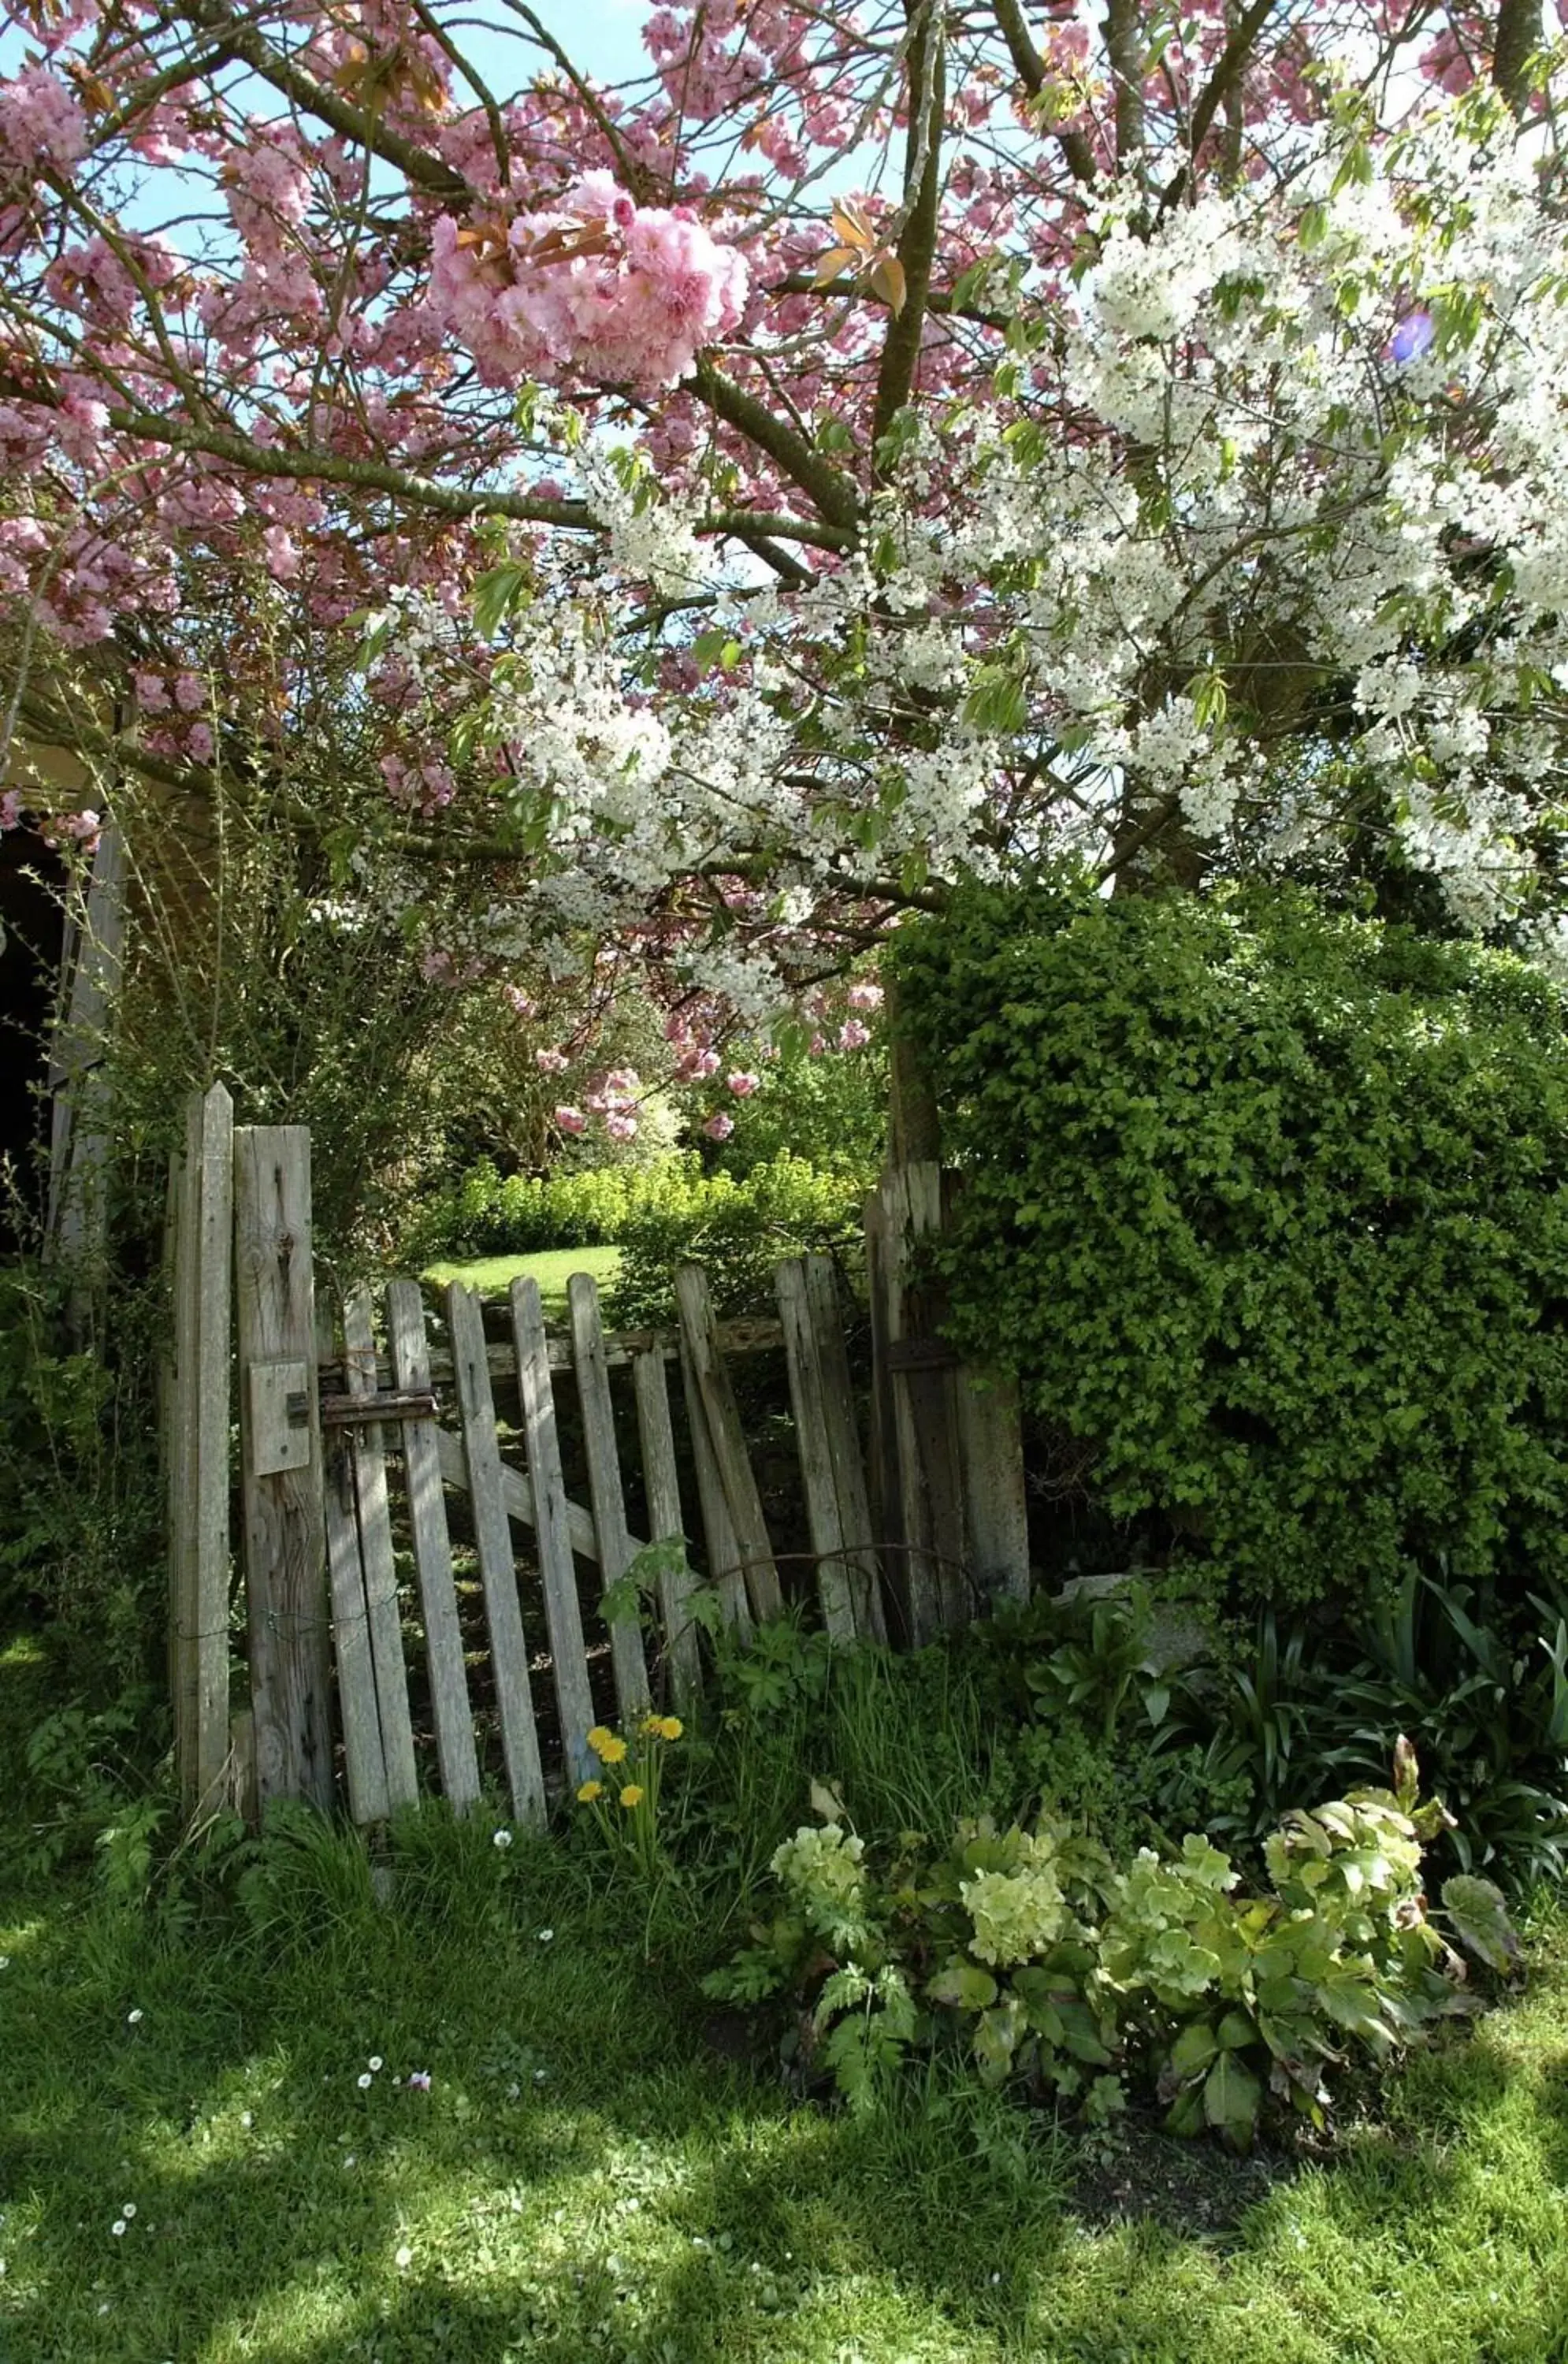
[[552, 1268]]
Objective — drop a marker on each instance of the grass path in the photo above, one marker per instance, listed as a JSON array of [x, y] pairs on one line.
[[586, 2178], [552, 1268]]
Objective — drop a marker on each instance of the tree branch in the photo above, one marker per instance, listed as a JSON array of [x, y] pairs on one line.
[[1516, 41], [1229, 68], [428, 173], [1030, 67], [834, 494], [917, 239]]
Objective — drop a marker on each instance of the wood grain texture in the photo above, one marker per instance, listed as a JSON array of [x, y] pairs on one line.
[[861, 1562], [492, 1547], [805, 1391], [661, 1478], [198, 1447], [727, 1442], [453, 1717], [286, 1548], [378, 1560], [552, 1533], [616, 1549], [720, 1542]]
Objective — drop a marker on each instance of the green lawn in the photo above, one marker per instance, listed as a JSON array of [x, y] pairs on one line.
[[552, 1268], [591, 2175]]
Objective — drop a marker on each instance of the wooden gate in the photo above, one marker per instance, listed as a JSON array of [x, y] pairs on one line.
[[379, 1438]]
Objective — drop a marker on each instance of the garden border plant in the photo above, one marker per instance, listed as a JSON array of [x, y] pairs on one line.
[[1267, 1205]]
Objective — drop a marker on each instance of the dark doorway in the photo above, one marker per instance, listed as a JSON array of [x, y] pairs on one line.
[[32, 878]]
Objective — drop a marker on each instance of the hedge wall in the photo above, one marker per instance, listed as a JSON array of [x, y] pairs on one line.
[[1269, 1207]]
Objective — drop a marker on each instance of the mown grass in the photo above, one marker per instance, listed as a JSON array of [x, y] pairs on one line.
[[552, 1268], [590, 2176]]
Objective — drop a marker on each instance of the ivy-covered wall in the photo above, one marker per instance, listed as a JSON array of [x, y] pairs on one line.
[[1268, 1206]]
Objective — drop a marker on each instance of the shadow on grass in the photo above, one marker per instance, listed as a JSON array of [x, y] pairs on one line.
[[583, 2180]]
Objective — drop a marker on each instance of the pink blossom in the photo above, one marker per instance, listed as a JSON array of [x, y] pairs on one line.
[[719, 1127], [852, 1035], [743, 1083], [199, 740], [621, 1125], [190, 694], [40, 122], [519, 1001], [817, 1044], [551, 1063], [863, 995], [282, 554], [600, 288], [11, 809], [153, 692], [694, 1065], [571, 1120]]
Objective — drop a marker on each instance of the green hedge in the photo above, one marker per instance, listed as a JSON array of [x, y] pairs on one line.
[[740, 1230], [1269, 1206], [486, 1214]]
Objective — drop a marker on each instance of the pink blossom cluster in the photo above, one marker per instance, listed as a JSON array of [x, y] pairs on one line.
[[40, 121], [426, 788], [600, 288], [616, 1101]]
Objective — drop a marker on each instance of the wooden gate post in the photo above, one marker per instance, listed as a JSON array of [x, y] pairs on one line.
[[280, 1429], [197, 1409]]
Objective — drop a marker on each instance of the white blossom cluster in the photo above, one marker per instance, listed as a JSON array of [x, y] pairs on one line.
[[1289, 481]]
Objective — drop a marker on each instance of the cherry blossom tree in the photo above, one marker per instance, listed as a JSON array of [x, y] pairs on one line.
[[877, 447]]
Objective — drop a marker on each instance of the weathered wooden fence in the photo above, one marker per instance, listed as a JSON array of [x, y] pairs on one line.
[[363, 1438]]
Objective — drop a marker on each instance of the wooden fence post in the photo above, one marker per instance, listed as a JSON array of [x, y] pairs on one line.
[[492, 1547], [726, 1440], [285, 1549], [552, 1533], [197, 1406], [455, 1751], [918, 1375], [657, 1435], [604, 1484]]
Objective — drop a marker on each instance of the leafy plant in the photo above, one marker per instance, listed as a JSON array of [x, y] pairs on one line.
[[1267, 1206], [1053, 1966]]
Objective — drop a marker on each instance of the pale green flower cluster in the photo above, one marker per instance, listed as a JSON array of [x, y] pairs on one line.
[[1016, 1914], [821, 1869]]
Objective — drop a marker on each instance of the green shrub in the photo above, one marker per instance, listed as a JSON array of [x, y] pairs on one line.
[[486, 1214], [1269, 1209], [1054, 1967], [739, 1231], [81, 1504]]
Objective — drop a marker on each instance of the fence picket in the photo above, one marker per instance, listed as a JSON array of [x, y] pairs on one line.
[[921, 1376], [455, 1752], [574, 1698], [719, 1539], [359, 1715], [727, 1441], [605, 1484], [806, 1394], [493, 1542], [844, 1447], [664, 1519], [285, 1549], [198, 1404], [379, 1563]]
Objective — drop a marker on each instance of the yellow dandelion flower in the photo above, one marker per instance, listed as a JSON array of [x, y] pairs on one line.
[[631, 1795], [670, 1727], [589, 1791], [652, 1724], [606, 1747]]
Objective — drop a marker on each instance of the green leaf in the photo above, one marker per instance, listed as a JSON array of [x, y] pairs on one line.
[[496, 594], [1479, 1916], [1231, 2099], [1193, 2048], [965, 1986]]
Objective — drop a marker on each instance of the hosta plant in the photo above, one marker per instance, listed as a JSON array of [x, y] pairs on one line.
[[1061, 1971]]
